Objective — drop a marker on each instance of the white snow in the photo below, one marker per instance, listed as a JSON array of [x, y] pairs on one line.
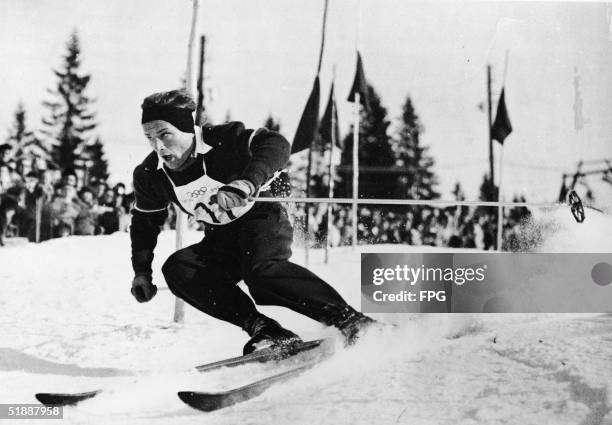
[[69, 323]]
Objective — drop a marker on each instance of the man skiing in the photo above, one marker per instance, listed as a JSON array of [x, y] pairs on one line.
[[212, 173]]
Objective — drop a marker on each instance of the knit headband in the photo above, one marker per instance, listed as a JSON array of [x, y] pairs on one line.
[[181, 118]]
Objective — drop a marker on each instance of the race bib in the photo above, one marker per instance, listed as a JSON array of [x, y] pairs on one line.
[[198, 198]]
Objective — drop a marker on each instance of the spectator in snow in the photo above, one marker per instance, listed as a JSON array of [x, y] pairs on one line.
[[109, 217], [64, 209], [9, 176], [69, 178], [99, 188], [86, 223], [35, 198]]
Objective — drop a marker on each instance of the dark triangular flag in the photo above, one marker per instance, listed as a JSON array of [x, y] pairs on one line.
[[307, 128], [360, 85], [501, 126], [329, 127]]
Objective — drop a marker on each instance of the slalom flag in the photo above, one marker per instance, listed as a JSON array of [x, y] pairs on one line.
[[360, 85], [329, 128], [307, 128], [501, 126]]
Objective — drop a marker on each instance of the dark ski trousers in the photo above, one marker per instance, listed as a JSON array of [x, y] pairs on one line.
[[255, 248]]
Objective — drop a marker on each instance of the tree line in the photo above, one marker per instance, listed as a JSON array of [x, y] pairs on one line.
[[66, 139], [392, 164]]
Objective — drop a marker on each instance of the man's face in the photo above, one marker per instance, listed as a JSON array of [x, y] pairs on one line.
[[30, 183], [100, 189], [87, 197], [71, 180], [109, 196], [172, 145]]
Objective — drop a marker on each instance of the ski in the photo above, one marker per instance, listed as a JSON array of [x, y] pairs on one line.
[[260, 356], [211, 401], [65, 399]]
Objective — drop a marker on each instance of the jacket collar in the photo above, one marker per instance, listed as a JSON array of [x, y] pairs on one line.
[[200, 147]]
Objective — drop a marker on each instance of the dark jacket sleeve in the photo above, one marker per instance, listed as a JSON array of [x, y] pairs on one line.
[[269, 152], [148, 216]]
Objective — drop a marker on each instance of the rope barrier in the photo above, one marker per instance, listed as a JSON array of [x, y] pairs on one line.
[[436, 202]]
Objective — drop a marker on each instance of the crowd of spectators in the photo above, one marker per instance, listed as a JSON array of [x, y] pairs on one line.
[[55, 204], [454, 227]]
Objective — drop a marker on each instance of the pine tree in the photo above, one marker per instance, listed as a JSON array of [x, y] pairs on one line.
[[420, 180], [375, 153], [94, 152], [28, 148], [69, 122]]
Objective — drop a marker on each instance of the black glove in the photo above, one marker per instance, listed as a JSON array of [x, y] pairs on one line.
[[234, 194], [143, 288]]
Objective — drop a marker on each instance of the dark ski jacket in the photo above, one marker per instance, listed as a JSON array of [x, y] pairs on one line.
[[230, 152]]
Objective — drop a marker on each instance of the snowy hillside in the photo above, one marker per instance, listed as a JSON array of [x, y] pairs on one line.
[[69, 323]]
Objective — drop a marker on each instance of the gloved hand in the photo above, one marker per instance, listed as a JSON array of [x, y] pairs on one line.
[[143, 288], [235, 194]]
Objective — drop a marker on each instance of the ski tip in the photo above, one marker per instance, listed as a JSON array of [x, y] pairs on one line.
[[60, 399], [197, 401]]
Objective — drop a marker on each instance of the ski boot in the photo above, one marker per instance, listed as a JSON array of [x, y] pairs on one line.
[[265, 333], [353, 324]]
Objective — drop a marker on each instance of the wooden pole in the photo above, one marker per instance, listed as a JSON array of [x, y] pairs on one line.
[[489, 124], [500, 208], [309, 169], [307, 207], [330, 207], [434, 202], [355, 165], [199, 120], [356, 110], [321, 49], [181, 220], [39, 206]]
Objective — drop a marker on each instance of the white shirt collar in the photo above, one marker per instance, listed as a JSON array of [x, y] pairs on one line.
[[200, 147]]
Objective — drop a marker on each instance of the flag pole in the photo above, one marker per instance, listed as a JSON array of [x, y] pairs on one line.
[[355, 165], [330, 207], [309, 167], [321, 49], [199, 117], [307, 207], [500, 208], [181, 220], [39, 207], [490, 124], [356, 137]]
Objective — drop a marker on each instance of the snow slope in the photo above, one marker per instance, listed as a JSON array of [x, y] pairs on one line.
[[69, 323]]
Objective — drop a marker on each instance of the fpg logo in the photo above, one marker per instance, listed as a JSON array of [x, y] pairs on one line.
[[432, 295]]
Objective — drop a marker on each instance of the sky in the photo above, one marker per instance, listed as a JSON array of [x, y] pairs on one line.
[[262, 57]]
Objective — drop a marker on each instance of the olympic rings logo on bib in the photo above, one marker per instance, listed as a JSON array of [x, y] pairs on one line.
[[197, 192]]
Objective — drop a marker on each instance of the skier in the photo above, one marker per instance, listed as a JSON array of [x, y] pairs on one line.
[[212, 173]]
